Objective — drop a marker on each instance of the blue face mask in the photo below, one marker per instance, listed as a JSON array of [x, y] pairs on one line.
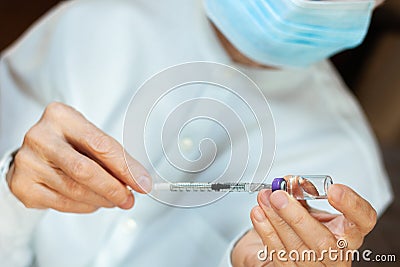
[[291, 33]]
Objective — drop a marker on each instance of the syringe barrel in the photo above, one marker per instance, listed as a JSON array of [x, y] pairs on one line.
[[209, 187], [190, 187]]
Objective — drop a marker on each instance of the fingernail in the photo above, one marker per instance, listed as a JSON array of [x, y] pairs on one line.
[[279, 199], [264, 198], [128, 203], [336, 193], [145, 183], [259, 215]]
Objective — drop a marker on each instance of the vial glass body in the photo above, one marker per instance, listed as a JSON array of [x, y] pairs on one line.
[[304, 187]]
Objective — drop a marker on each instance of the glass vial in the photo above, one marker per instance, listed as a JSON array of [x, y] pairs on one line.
[[304, 187]]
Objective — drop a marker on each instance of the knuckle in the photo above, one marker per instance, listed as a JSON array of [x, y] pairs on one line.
[[299, 219], [374, 216], [114, 193], [18, 189], [100, 143], [54, 109], [268, 234], [20, 158], [297, 245], [33, 136], [372, 221], [125, 170], [324, 243], [28, 204], [81, 169], [357, 204], [77, 191], [40, 141], [57, 112], [60, 203], [84, 208], [280, 223], [91, 209], [27, 201]]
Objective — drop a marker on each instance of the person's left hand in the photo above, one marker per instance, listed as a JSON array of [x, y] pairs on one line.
[[283, 223]]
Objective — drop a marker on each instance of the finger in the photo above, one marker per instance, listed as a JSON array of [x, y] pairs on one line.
[[59, 182], [268, 236], [289, 237], [111, 155], [356, 209], [87, 172], [248, 250], [48, 198], [104, 149], [68, 187], [314, 234]]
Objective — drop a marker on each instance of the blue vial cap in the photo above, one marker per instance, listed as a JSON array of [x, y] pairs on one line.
[[278, 184]]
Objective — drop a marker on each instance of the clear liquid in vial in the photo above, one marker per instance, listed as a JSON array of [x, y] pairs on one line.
[[306, 187]]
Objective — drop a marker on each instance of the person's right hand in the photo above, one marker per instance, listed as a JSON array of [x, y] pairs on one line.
[[68, 164]]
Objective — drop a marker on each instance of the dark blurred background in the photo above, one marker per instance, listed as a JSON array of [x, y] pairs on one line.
[[372, 72]]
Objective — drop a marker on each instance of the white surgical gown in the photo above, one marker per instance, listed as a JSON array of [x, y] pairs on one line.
[[93, 55]]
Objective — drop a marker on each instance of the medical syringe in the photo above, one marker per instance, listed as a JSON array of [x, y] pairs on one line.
[[301, 187]]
